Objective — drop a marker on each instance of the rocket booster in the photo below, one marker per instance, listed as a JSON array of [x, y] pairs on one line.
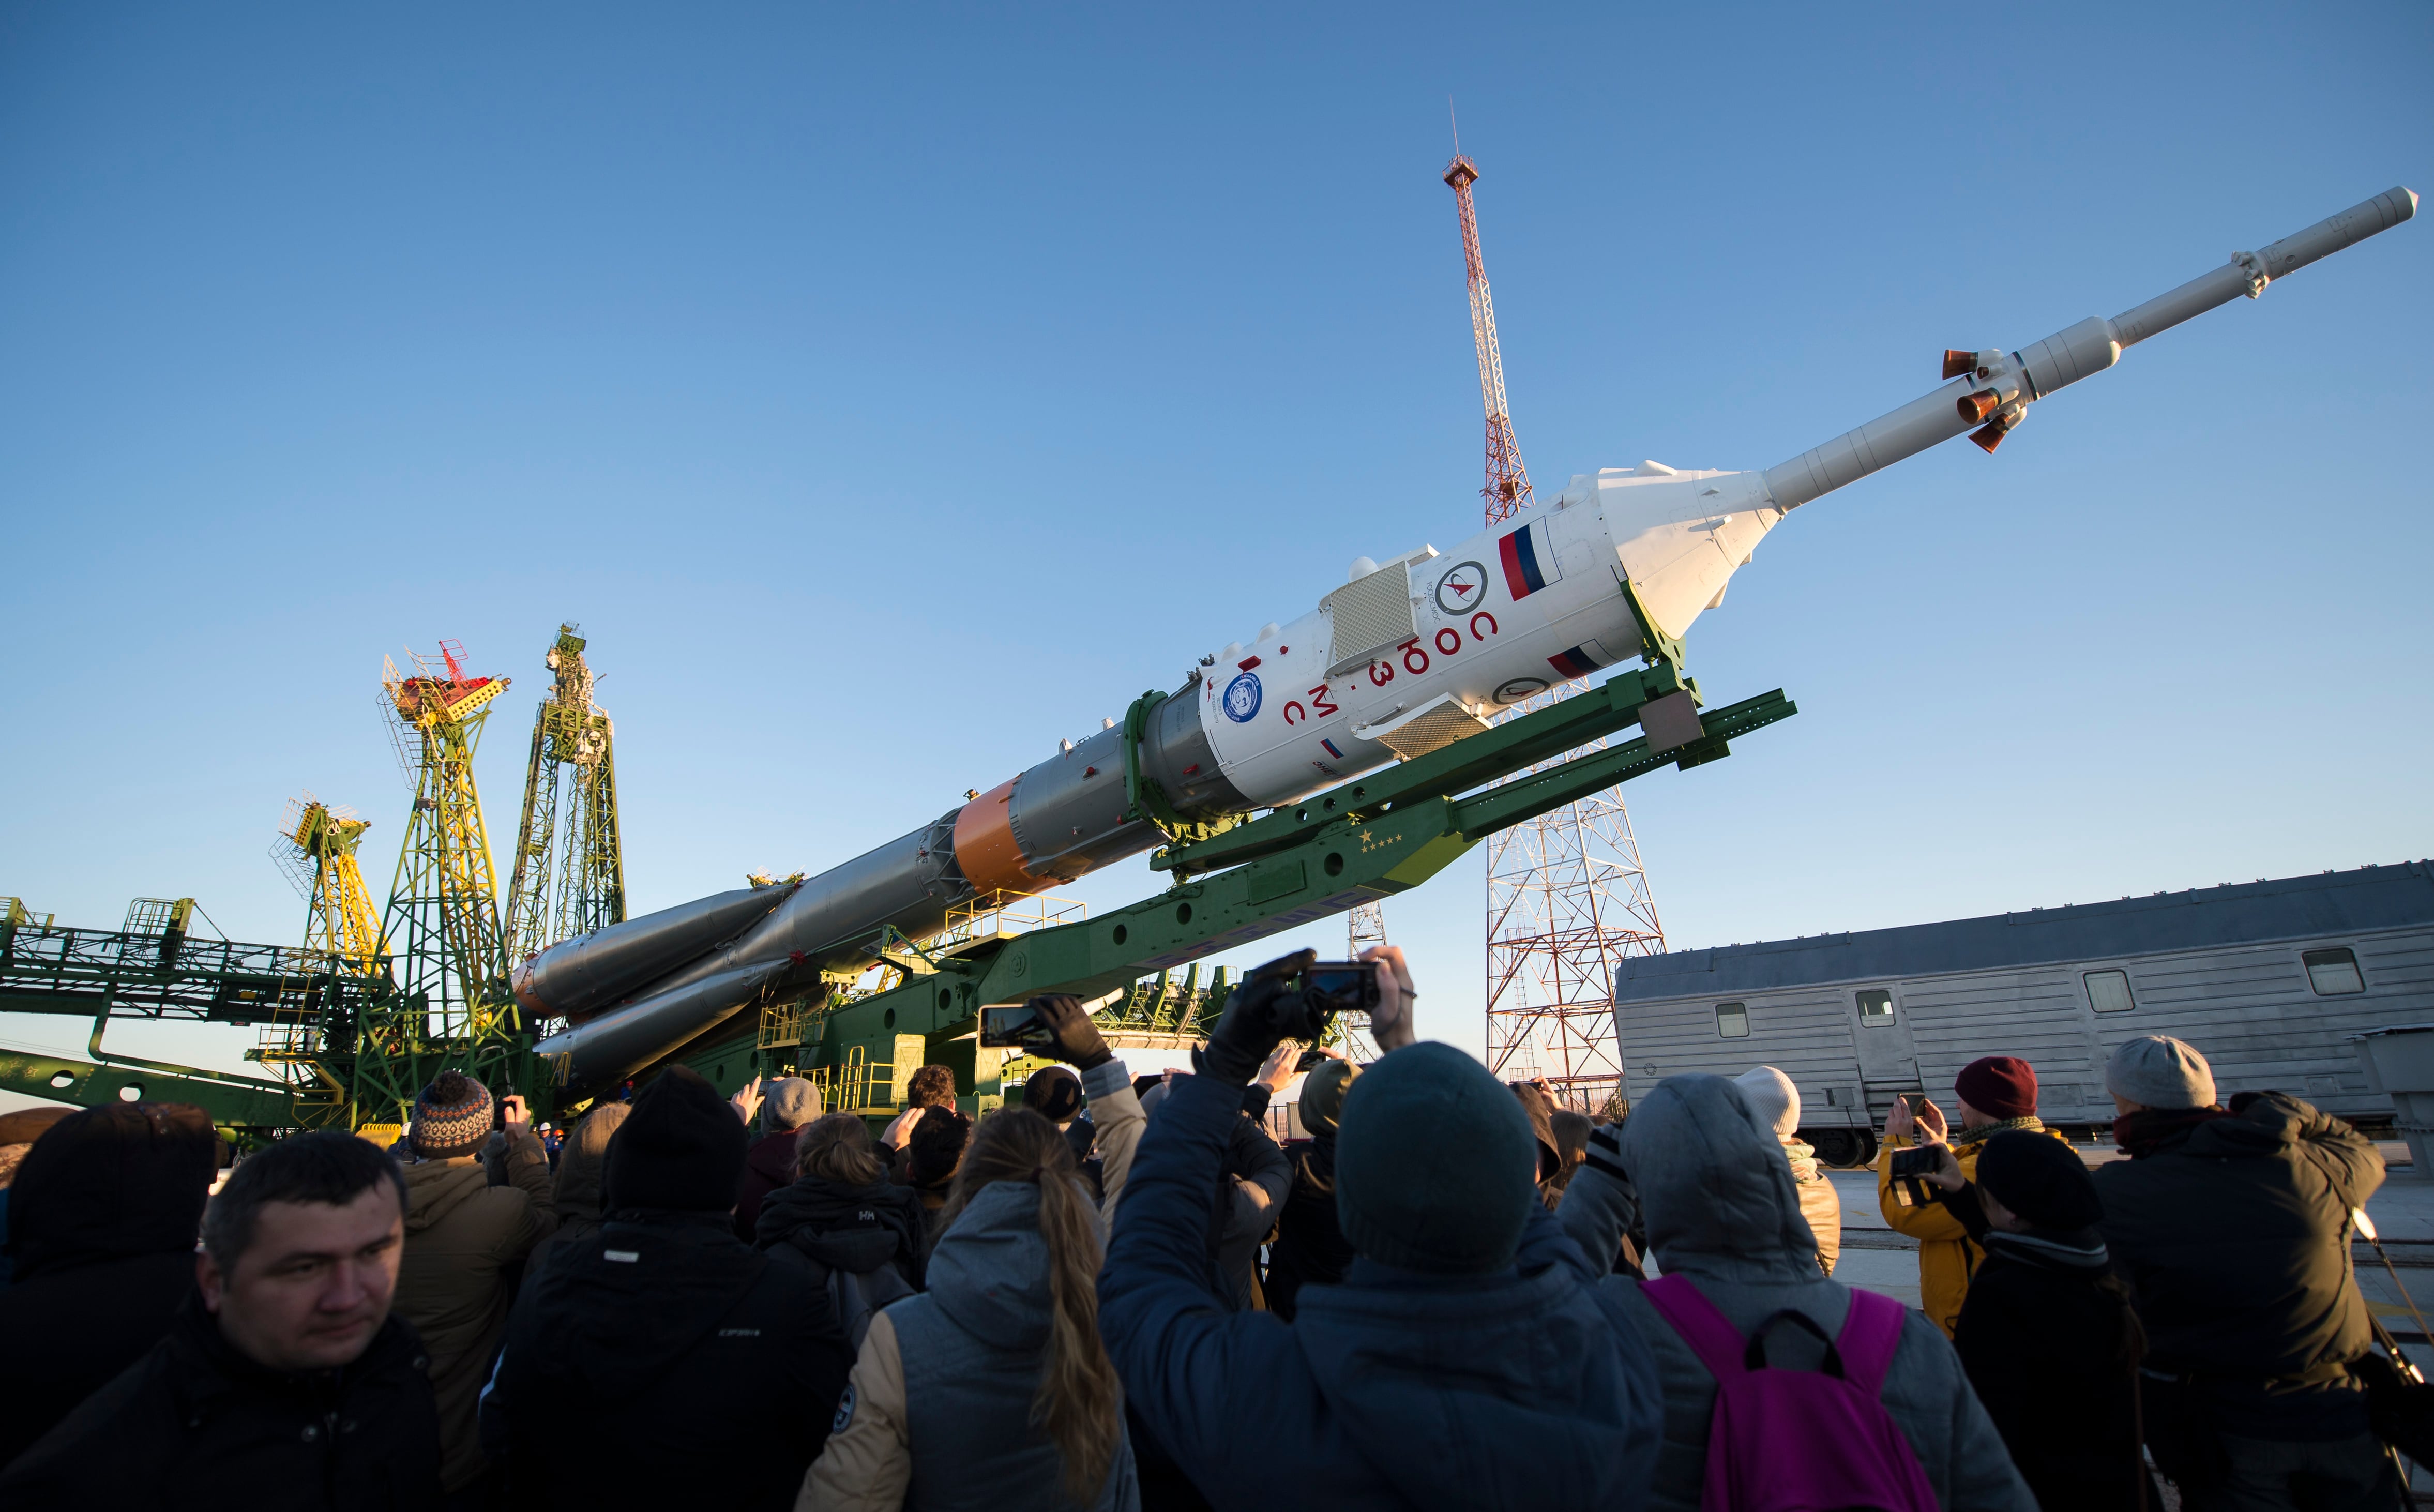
[[1407, 656]]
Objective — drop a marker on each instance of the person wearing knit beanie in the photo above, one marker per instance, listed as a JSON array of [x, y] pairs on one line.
[[2000, 1087], [2047, 1336], [662, 1355], [2232, 1223], [472, 1222], [1468, 1356], [1997, 1094], [788, 1106], [451, 1117], [681, 1149]]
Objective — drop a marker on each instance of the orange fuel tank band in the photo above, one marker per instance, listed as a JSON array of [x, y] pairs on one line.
[[525, 997], [986, 848]]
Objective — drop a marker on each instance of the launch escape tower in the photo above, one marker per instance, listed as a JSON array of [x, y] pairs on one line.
[[570, 874], [1567, 896], [442, 923]]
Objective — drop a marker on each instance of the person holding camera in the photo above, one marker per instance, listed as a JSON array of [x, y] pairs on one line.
[[1997, 1093], [466, 1244], [1311, 1249], [1061, 1030], [2231, 1223], [2046, 1334], [992, 1388], [1462, 1363]]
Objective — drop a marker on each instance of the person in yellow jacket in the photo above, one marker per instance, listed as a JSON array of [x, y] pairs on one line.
[[1997, 1092]]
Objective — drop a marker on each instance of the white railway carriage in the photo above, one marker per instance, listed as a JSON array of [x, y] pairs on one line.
[[2269, 980]]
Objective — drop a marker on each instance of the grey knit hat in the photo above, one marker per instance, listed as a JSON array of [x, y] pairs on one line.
[[1434, 1164], [789, 1102], [2157, 1070]]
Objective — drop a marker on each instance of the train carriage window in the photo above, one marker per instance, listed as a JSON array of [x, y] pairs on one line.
[[2109, 991], [1876, 1009], [2332, 972], [1732, 1020]]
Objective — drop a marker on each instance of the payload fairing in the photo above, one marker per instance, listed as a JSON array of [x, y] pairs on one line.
[[1406, 657]]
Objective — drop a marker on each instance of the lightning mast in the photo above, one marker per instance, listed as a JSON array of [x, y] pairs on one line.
[[570, 883], [1567, 896], [1507, 490]]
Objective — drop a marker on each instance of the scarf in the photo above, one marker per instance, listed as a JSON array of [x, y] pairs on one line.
[[2082, 1249], [2028, 1122], [1803, 1157], [2142, 1133]]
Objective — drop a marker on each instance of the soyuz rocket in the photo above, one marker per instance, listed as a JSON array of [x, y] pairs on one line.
[[1407, 656]]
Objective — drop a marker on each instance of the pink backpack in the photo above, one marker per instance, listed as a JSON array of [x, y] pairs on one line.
[[1800, 1440]]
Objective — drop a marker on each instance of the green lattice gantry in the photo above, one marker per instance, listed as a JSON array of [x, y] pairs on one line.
[[570, 872]]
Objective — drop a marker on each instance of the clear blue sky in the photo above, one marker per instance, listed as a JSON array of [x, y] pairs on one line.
[[891, 391]]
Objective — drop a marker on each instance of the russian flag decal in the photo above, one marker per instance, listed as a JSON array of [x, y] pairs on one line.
[[1529, 560], [1581, 660], [1331, 751]]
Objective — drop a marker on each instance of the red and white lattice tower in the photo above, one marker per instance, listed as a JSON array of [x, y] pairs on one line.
[[1567, 896]]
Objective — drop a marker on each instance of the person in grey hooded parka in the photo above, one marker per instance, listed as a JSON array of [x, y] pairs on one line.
[[1723, 1209]]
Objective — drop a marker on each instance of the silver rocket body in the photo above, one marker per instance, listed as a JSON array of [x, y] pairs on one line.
[[1404, 658]]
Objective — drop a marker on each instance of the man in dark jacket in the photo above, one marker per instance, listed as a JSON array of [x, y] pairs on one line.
[[790, 1104], [2232, 1227], [1463, 1363], [285, 1382], [107, 1205], [665, 1360], [2047, 1333]]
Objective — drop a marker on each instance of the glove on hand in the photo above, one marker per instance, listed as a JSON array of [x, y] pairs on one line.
[[1077, 1041], [1260, 1015]]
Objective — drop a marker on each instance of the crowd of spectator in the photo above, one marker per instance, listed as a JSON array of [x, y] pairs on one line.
[[1447, 1291]]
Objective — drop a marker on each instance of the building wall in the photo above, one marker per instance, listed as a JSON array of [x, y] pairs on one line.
[[2247, 1008]]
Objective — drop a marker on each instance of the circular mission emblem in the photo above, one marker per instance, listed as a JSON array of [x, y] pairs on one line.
[[1463, 588], [1243, 699], [1520, 688]]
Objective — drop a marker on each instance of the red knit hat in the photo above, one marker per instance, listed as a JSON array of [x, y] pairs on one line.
[[1999, 1086]]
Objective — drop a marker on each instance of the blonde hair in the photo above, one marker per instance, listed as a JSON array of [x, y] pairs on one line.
[[1079, 1403], [838, 1148]]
